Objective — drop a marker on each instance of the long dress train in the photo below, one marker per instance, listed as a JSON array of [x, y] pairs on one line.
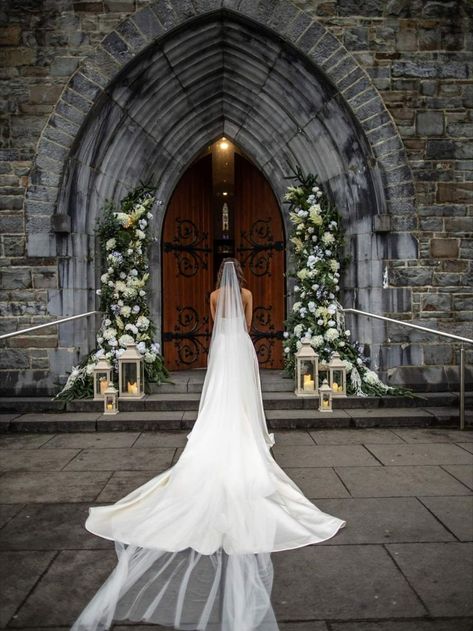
[[194, 542]]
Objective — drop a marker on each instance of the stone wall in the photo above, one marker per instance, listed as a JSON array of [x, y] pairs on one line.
[[417, 54]]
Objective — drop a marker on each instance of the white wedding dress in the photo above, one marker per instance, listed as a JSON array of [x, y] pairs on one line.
[[194, 543]]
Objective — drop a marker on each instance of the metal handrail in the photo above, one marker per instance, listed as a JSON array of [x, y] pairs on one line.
[[43, 326], [458, 338]]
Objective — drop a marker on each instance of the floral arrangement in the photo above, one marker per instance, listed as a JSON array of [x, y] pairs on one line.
[[317, 316], [124, 238]]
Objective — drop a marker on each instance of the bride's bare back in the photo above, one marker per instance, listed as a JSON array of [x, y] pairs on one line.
[[247, 299]]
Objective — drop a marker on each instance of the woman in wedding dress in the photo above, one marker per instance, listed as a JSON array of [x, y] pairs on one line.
[[194, 543]]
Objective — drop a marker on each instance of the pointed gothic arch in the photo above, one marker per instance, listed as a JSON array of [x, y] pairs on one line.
[[169, 80]]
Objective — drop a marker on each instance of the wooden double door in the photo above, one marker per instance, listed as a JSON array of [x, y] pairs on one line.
[[193, 247]]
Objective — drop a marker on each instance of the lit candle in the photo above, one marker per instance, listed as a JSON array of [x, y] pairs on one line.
[[103, 385], [309, 384], [335, 386], [325, 403], [132, 388], [109, 406]]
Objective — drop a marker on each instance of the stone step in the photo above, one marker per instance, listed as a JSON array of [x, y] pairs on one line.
[[277, 419], [183, 401]]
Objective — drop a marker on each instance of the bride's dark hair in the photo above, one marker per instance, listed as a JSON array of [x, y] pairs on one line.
[[238, 270]]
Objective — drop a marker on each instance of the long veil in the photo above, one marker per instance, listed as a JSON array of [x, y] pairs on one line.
[[194, 542]]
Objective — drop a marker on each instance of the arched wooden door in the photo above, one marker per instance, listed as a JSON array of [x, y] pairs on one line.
[[191, 251]]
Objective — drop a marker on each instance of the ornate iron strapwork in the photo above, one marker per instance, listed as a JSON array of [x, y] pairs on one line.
[[191, 335], [258, 247], [189, 248], [264, 338]]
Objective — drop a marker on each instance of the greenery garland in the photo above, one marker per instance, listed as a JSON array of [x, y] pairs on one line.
[[317, 316], [124, 237]]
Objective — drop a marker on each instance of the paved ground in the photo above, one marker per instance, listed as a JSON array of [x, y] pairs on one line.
[[404, 562]]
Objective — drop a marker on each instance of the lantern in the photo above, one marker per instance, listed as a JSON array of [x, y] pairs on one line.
[[325, 394], [110, 400], [324, 374], [306, 371], [131, 373], [338, 376], [102, 377]]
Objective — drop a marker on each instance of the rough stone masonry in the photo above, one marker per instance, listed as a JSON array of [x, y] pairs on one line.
[[418, 57]]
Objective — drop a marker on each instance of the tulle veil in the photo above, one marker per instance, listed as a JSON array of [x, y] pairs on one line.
[[194, 543]]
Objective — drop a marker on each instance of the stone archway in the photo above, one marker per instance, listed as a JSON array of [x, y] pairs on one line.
[[167, 82]]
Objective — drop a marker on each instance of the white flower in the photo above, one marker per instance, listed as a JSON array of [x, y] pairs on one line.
[[104, 278], [122, 275], [89, 369], [298, 330], [348, 365], [141, 346], [113, 342], [125, 339], [142, 322], [298, 344], [297, 288], [150, 358], [141, 235], [123, 219], [315, 189], [143, 223], [150, 215], [296, 306], [348, 332], [136, 309], [331, 323], [303, 273], [134, 272], [320, 322], [125, 311], [285, 334], [129, 251], [142, 293], [315, 287], [311, 306], [331, 335], [109, 333], [286, 349], [155, 347], [132, 328], [110, 244], [370, 377], [317, 341], [110, 283], [328, 238], [107, 322], [98, 292], [334, 265]]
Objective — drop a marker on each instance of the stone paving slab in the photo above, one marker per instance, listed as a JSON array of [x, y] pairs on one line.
[[317, 482], [97, 440], [161, 439], [140, 421], [24, 441], [54, 423], [433, 435], [299, 419], [426, 453], [440, 574], [123, 482], [20, 570], [50, 527], [62, 486], [323, 456], [53, 602], [294, 437], [384, 520], [116, 459], [354, 436], [455, 512], [36, 459], [7, 511], [401, 481], [467, 446], [462, 472], [451, 624], [341, 582]]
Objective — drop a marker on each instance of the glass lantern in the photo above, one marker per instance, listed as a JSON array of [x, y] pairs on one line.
[[102, 377], [338, 376], [306, 371], [325, 395], [131, 373], [324, 374], [110, 400]]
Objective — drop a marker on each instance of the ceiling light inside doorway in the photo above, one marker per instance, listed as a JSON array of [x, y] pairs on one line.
[[224, 144], [224, 193]]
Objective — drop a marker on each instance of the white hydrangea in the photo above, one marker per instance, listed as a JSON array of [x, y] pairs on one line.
[[334, 265], [150, 358], [331, 335], [142, 322], [125, 310], [140, 234], [317, 341], [104, 278], [371, 377], [109, 333], [141, 346], [125, 339], [110, 244], [123, 219], [296, 306]]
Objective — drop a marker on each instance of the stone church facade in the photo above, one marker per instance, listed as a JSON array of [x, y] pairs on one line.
[[375, 97]]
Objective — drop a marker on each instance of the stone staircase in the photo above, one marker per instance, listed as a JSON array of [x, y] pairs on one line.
[[173, 406]]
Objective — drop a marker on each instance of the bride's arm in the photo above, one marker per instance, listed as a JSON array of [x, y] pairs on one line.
[[249, 309]]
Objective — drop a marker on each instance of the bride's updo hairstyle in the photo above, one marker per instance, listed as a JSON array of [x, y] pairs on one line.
[[238, 270]]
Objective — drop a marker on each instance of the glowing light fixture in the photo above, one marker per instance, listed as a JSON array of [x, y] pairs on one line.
[[224, 144], [224, 193]]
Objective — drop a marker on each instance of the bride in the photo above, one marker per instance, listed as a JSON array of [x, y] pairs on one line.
[[194, 543]]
